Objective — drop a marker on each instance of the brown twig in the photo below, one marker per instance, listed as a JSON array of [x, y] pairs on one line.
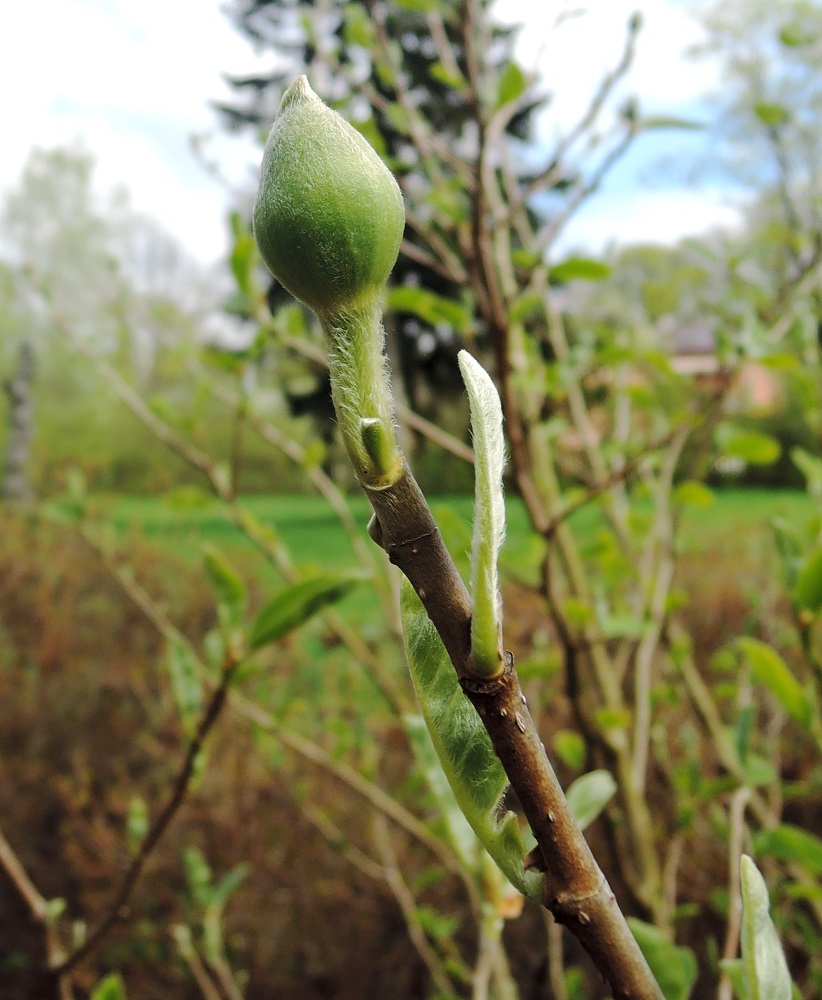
[[116, 907]]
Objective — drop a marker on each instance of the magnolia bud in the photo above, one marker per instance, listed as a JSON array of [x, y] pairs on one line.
[[329, 215]]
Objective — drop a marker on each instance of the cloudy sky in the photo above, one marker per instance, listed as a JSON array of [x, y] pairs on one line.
[[132, 80]]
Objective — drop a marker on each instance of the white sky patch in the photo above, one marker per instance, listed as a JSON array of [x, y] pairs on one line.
[[131, 80], [663, 217]]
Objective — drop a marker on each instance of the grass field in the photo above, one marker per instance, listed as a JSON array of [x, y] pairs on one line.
[[310, 529]]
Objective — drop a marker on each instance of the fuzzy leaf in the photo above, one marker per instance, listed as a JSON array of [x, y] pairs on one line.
[[763, 961], [489, 514], [463, 747]]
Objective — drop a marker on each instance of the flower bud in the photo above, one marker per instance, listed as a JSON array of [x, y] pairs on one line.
[[329, 215]]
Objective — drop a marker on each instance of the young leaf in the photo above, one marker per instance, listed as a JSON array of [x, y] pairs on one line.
[[463, 747], [589, 795], [674, 967], [111, 987], [294, 605], [489, 515], [228, 586], [183, 669], [579, 269], [771, 670], [763, 961], [136, 823]]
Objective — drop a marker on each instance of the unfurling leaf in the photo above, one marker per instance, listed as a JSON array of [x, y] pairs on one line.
[[463, 747], [763, 961], [489, 515]]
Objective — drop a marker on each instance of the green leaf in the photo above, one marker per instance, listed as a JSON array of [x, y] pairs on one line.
[[796, 35], [579, 269], [512, 84], [442, 74], [569, 746], [589, 795], [184, 670], [772, 115], [807, 593], [771, 670], [674, 967], [198, 873], [693, 494], [752, 447], [111, 987], [811, 468], [430, 308], [295, 604], [463, 747], [763, 961], [136, 823], [791, 843]]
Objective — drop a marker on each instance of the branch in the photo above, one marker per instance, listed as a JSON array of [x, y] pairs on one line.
[[576, 890]]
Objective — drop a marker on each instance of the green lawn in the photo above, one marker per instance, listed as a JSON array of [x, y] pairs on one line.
[[311, 531]]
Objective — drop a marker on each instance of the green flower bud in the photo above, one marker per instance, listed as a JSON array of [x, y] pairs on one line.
[[329, 215]]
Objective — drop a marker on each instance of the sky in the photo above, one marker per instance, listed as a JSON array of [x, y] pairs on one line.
[[131, 80]]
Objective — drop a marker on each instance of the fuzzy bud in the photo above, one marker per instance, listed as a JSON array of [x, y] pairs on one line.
[[329, 215]]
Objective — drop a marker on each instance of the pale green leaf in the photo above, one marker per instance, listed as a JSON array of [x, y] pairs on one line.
[[227, 584], [431, 308], [111, 987], [463, 747], [589, 795], [752, 447], [771, 670], [512, 84], [674, 967], [763, 961], [489, 514]]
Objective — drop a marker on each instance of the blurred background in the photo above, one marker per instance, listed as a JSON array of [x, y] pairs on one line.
[[618, 208]]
